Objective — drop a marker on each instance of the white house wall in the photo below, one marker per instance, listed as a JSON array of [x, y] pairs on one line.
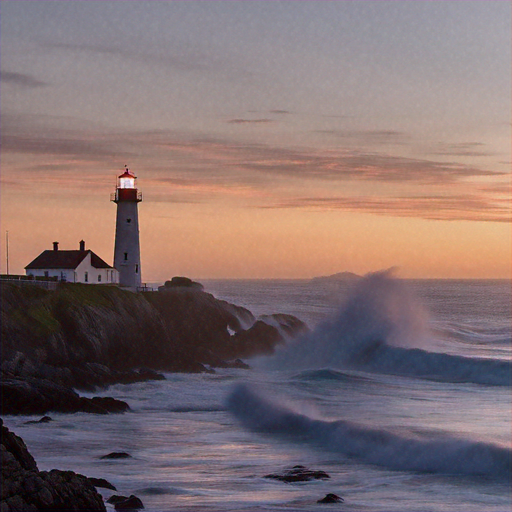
[[84, 273], [59, 273], [95, 275]]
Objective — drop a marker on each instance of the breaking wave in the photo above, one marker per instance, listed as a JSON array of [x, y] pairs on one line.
[[382, 328], [440, 454]]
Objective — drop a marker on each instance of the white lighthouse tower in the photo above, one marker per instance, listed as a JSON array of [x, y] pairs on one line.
[[127, 246]]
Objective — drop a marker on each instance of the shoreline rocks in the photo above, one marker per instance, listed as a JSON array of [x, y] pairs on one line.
[[116, 455], [101, 482], [299, 474], [24, 487], [331, 498], [126, 503], [85, 337], [37, 396]]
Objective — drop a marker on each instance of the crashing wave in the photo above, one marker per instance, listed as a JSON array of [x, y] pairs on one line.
[[382, 328], [442, 454]]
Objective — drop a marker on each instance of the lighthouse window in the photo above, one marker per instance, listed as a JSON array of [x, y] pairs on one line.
[[136, 269], [126, 183], [128, 220], [125, 256]]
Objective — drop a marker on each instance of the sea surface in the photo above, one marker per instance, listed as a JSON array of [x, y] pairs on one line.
[[400, 392]]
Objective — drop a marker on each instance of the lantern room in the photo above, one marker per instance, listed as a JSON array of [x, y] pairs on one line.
[[126, 180], [126, 188]]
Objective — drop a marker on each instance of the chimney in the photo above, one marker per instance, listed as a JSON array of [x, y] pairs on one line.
[[55, 246], [82, 245]]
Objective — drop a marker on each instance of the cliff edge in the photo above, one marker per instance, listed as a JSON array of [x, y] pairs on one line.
[[84, 336]]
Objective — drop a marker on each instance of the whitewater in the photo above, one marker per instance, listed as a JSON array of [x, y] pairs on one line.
[[400, 391]]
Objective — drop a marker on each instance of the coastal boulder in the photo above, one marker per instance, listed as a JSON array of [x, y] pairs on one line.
[[331, 498], [178, 281], [299, 474], [34, 396], [260, 339], [26, 488]]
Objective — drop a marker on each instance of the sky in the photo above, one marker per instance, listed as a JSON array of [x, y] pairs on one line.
[[271, 139]]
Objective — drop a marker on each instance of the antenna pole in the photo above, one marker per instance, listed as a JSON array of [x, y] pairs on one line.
[[7, 249]]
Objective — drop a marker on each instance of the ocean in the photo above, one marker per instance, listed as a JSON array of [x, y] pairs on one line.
[[400, 392]]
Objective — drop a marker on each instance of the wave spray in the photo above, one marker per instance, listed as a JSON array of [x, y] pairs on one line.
[[380, 328]]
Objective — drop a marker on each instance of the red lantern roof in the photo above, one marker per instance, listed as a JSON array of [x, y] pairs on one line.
[[127, 174]]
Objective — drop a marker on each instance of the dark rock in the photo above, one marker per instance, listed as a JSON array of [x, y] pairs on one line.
[[183, 282], [148, 374], [72, 492], [44, 419], [141, 375], [15, 446], [260, 339], [24, 488], [36, 396], [109, 404], [116, 455], [289, 325], [238, 363], [331, 498], [131, 503], [299, 474], [116, 499], [101, 482]]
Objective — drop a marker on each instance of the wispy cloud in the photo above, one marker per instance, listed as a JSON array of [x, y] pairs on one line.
[[462, 149], [93, 149], [237, 158], [183, 58], [350, 165], [249, 121], [21, 80], [186, 168], [368, 137], [451, 207]]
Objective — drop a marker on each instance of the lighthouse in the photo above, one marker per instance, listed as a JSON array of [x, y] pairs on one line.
[[127, 245]]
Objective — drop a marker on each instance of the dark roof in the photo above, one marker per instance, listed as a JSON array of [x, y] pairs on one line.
[[65, 259]]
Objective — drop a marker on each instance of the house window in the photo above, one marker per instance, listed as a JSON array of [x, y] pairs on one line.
[[125, 256], [99, 278], [136, 269], [86, 278], [46, 273]]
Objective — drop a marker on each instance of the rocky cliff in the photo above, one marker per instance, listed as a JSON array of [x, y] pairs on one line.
[[84, 336]]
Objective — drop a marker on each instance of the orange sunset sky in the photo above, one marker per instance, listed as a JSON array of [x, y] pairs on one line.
[[270, 139]]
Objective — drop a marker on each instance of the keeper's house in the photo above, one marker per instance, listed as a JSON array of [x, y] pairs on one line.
[[81, 266]]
